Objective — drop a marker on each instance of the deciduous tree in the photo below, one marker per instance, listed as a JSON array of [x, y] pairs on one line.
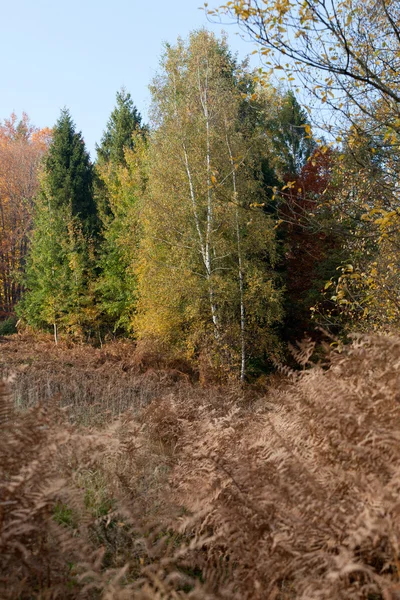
[[22, 147], [207, 248], [345, 55]]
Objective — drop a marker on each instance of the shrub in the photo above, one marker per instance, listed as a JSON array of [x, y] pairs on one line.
[[8, 326]]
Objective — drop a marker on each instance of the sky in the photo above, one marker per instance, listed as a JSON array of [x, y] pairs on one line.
[[79, 53]]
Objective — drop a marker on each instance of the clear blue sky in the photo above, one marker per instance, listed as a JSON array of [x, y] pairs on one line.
[[79, 53]]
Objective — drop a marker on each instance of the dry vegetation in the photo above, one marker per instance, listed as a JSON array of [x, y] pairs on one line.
[[95, 384], [158, 488]]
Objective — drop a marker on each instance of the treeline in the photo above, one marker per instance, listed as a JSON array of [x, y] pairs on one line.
[[213, 231]]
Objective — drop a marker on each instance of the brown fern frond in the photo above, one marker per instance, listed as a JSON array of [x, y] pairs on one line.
[[203, 493], [303, 352]]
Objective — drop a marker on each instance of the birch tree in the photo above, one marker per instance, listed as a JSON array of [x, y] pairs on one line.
[[205, 248]]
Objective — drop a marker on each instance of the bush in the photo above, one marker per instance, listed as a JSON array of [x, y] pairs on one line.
[[8, 326]]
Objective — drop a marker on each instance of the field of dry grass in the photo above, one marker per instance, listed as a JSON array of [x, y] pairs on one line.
[[122, 477], [95, 384]]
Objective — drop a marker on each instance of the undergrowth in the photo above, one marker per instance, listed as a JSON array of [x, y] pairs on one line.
[[8, 326], [211, 492]]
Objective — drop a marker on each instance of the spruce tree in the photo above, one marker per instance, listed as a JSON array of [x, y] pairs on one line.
[[118, 137], [291, 143], [123, 121], [116, 283], [60, 262], [69, 174], [116, 193]]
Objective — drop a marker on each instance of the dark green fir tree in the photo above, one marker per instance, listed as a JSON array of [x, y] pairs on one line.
[[123, 121], [69, 174], [290, 140], [116, 193], [61, 259]]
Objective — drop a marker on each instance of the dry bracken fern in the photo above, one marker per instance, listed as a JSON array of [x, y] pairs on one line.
[[293, 494]]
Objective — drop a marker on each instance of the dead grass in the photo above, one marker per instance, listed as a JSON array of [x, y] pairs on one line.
[[95, 384]]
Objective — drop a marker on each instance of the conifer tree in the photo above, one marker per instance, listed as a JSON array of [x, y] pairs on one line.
[[123, 121], [118, 137], [61, 257], [116, 192], [116, 283], [289, 136], [69, 174]]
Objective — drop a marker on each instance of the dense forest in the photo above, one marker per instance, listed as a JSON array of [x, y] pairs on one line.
[[199, 329], [220, 231]]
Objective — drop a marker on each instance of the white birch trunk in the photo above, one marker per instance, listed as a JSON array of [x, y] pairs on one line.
[[210, 211], [240, 268]]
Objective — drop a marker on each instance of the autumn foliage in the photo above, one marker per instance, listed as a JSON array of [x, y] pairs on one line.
[[21, 149], [311, 237], [159, 438]]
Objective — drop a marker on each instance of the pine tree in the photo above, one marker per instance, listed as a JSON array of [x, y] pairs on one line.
[[123, 121], [292, 144], [69, 174], [60, 262]]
